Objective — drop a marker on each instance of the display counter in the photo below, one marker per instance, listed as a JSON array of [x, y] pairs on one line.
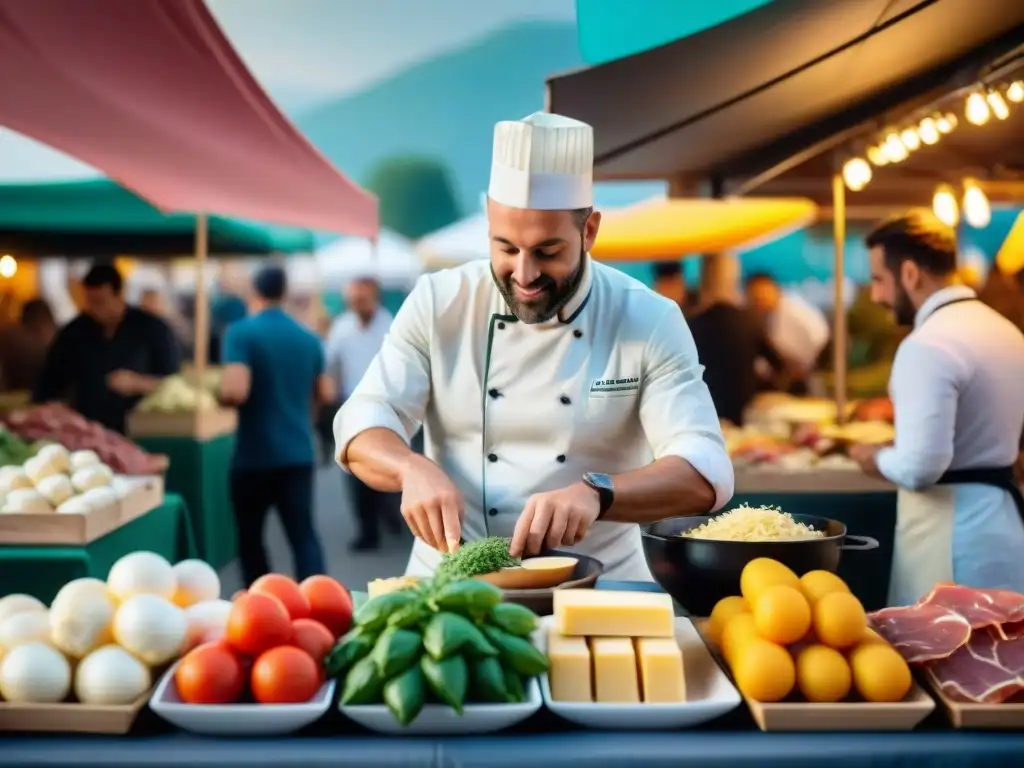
[[42, 571]]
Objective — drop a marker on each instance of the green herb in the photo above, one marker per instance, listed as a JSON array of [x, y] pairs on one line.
[[477, 558]]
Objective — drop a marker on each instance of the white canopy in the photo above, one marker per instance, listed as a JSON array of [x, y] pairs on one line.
[[394, 262], [463, 241]]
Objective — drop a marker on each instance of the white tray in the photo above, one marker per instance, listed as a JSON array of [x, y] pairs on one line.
[[709, 692], [442, 720], [237, 719]]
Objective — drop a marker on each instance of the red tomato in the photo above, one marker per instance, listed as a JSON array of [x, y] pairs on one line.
[[285, 590], [257, 623], [285, 675], [330, 603], [238, 594], [312, 637], [210, 674]]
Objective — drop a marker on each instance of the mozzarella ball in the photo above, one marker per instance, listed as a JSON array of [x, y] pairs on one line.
[[82, 459], [56, 489], [142, 573], [26, 501], [57, 455], [110, 676], [150, 628], [35, 673]]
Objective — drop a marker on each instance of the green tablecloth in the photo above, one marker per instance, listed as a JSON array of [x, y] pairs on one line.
[[199, 472], [42, 571], [864, 514]]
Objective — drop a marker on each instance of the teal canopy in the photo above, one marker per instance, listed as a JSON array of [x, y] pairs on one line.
[[97, 216]]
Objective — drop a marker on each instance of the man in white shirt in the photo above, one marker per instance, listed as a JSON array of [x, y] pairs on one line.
[[956, 387], [797, 330], [354, 340]]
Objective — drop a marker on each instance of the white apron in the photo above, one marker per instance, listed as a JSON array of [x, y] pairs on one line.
[[923, 548], [511, 409]]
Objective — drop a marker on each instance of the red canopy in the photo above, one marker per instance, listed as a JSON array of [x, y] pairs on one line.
[[152, 93]]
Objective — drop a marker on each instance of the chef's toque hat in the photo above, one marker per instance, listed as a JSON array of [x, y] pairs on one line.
[[543, 162]]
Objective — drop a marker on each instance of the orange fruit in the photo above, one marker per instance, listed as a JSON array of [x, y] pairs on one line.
[[330, 603], [210, 674], [284, 589], [257, 623], [285, 675], [312, 637], [782, 615]]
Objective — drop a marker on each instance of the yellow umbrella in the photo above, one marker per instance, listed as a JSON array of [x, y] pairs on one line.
[[1010, 258], [666, 229]]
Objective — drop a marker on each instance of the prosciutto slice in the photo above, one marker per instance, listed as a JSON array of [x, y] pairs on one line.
[[988, 669], [980, 607], [922, 632]]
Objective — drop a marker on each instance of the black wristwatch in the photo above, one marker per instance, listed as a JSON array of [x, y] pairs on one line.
[[605, 490]]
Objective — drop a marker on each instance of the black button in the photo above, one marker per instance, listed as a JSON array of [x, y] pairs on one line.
[[492, 457], [564, 400], [494, 393], [492, 512], [578, 333], [560, 459], [501, 326]]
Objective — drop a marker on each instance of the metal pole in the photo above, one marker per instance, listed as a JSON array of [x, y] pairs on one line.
[[839, 315], [202, 308]]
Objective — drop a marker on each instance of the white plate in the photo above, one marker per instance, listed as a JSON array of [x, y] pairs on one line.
[[442, 720], [237, 719], [709, 692]]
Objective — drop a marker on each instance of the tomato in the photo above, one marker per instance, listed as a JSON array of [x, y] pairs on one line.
[[312, 637], [285, 590], [330, 603], [285, 675], [210, 674], [258, 623], [238, 594]]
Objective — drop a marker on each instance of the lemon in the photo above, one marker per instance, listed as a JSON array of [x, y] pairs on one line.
[[763, 572], [872, 638], [764, 671], [816, 584], [822, 674], [724, 610], [879, 673], [839, 620], [737, 632], [782, 615]]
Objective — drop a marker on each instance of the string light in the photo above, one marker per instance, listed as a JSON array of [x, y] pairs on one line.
[[928, 131], [877, 156], [856, 173], [977, 109], [945, 206], [977, 211], [910, 139], [8, 266], [894, 148], [1015, 93], [946, 123], [998, 105]]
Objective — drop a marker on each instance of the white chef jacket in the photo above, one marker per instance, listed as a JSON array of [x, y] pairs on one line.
[[511, 409], [957, 387], [351, 347]]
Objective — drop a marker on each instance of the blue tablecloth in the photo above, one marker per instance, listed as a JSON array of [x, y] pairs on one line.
[[730, 743]]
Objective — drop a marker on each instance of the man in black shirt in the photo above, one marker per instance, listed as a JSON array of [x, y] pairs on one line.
[[110, 356]]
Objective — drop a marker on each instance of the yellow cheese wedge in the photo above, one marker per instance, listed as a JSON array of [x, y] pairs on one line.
[[661, 670], [570, 668], [607, 613], [379, 587], [615, 680]]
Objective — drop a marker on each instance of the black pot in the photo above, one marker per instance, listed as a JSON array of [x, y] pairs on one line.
[[700, 572]]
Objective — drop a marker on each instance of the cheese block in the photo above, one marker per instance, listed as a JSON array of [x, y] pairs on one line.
[[379, 587], [569, 669], [661, 670], [615, 678], [608, 613]]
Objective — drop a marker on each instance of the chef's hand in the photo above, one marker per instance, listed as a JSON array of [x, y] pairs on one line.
[[125, 383], [555, 518], [864, 454], [431, 504]]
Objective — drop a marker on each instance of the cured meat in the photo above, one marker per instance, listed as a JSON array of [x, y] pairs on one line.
[[922, 632], [988, 669], [980, 607]]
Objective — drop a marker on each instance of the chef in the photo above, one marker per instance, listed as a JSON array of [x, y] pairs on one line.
[[562, 401], [956, 392]]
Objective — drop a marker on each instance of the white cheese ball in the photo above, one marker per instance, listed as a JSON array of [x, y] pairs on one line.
[[79, 589], [27, 501], [110, 676], [17, 603], [13, 479], [207, 622], [76, 505], [140, 573], [21, 628], [56, 488], [150, 628], [35, 673], [57, 455], [82, 459], [90, 477], [79, 627], [39, 467], [196, 581], [100, 498]]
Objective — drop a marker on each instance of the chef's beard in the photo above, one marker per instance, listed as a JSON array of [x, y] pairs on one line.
[[553, 299], [903, 309]]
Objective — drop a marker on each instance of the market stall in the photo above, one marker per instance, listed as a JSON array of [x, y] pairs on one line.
[[390, 259]]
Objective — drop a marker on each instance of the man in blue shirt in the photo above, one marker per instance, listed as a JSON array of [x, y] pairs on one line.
[[274, 373]]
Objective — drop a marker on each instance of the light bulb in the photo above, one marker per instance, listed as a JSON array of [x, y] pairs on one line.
[[946, 123], [977, 211], [894, 148], [910, 139], [856, 173], [1015, 92], [976, 110], [945, 206], [928, 131], [8, 266], [877, 156], [998, 105]]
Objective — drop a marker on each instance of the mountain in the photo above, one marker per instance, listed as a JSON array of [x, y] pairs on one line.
[[446, 107]]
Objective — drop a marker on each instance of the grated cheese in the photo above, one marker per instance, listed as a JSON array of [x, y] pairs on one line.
[[747, 523]]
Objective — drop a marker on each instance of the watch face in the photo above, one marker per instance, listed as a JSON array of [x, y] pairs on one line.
[[600, 480]]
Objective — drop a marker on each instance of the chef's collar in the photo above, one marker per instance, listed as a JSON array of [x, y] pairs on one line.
[[941, 297]]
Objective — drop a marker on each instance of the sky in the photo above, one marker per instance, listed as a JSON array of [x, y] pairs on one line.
[[305, 52]]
